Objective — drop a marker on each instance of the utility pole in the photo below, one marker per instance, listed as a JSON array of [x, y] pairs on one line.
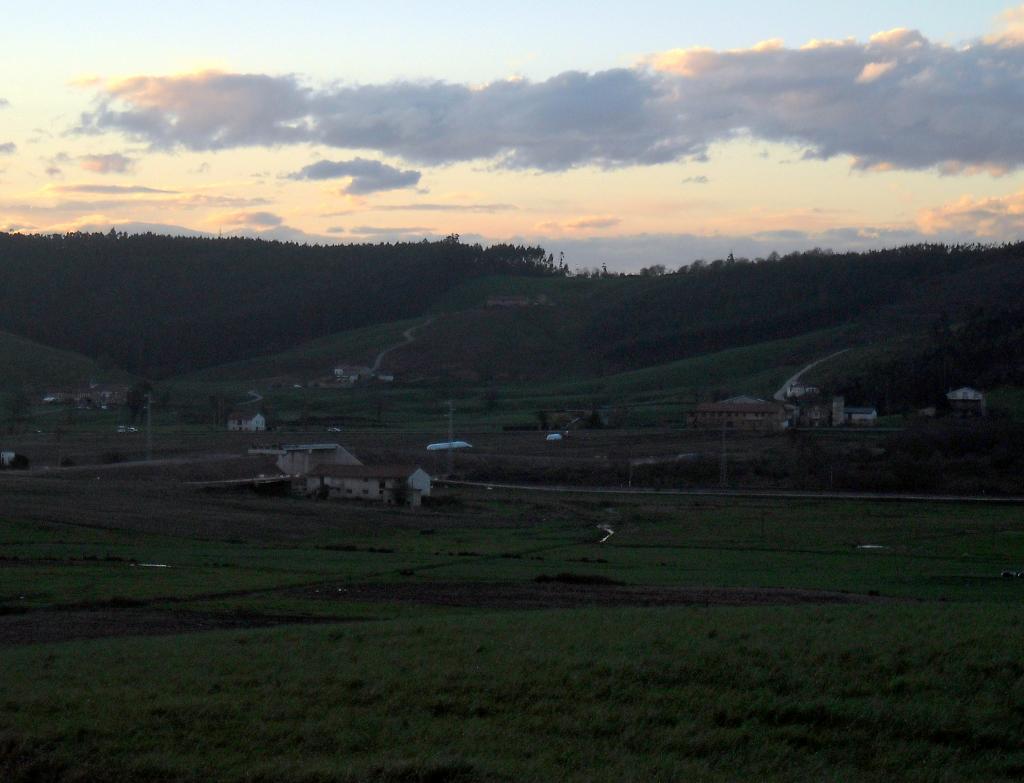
[[723, 468], [451, 437], [149, 427]]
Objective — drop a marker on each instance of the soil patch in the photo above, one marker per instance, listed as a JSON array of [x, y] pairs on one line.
[[61, 625], [565, 595]]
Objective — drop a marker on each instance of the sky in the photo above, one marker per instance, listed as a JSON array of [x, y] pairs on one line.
[[625, 134]]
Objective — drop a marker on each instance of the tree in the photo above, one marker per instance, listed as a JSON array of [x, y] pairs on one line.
[[18, 407], [542, 418]]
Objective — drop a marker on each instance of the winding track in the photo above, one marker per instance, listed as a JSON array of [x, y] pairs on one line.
[[780, 395], [409, 336]]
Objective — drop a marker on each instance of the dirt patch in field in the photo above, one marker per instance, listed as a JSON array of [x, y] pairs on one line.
[[559, 595], [61, 625]]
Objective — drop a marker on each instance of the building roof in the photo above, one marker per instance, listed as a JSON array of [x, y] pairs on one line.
[[310, 446], [740, 407], [860, 411], [364, 471], [245, 416], [744, 399], [965, 393]]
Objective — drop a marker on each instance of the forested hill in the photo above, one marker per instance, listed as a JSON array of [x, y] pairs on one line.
[[706, 308], [158, 305]]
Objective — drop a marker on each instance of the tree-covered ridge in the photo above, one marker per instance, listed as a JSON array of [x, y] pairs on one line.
[[711, 307], [158, 305], [161, 306]]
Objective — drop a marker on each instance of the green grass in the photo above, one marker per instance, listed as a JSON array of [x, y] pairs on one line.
[[1007, 399], [310, 360], [26, 362], [926, 686], [652, 396], [910, 693]]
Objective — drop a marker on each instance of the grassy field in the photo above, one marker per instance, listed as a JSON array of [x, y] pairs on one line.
[[656, 396], [29, 363], [495, 638]]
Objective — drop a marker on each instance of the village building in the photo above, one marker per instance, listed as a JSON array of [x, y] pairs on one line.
[[799, 390], [814, 415], [741, 413], [388, 484], [838, 411], [247, 422], [95, 395], [298, 459], [349, 375], [13, 460], [966, 402], [861, 417]]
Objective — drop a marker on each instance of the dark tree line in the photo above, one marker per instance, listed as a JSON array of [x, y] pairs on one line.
[[984, 350], [710, 307], [158, 305]]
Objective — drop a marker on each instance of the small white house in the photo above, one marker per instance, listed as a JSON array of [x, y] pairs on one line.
[[247, 422], [6, 458], [966, 401], [388, 484]]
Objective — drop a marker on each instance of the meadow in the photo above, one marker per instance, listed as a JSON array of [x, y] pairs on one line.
[[492, 637]]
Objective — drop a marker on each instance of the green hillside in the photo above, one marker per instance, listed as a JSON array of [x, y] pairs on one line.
[[27, 363], [309, 360]]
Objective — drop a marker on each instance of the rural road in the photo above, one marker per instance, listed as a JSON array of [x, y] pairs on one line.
[[742, 493], [254, 397], [780, 395], [409, 336]]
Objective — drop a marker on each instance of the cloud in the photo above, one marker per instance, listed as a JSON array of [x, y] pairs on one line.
[[113, 163], [698, 180], [260, 219], [582, 223], [4, 103], [135, 227], [632, 251], [392, 232], [202, 200], [434, 207], [995, 218], [896, 100], [1010, 30], [367, 176], [8, 148], [109, 189]]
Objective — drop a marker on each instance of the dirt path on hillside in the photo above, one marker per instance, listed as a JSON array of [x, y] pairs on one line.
[[408, 336], [559, 595], [61, 625], [780, 395], [42, 626]]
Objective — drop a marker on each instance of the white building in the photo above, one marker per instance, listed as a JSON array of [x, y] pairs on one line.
[[966, 401], [299, 459], [388, 484], [797, 390], [349, 375], [247, 422]]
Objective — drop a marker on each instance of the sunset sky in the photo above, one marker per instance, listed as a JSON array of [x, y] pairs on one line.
[[619, 133]]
